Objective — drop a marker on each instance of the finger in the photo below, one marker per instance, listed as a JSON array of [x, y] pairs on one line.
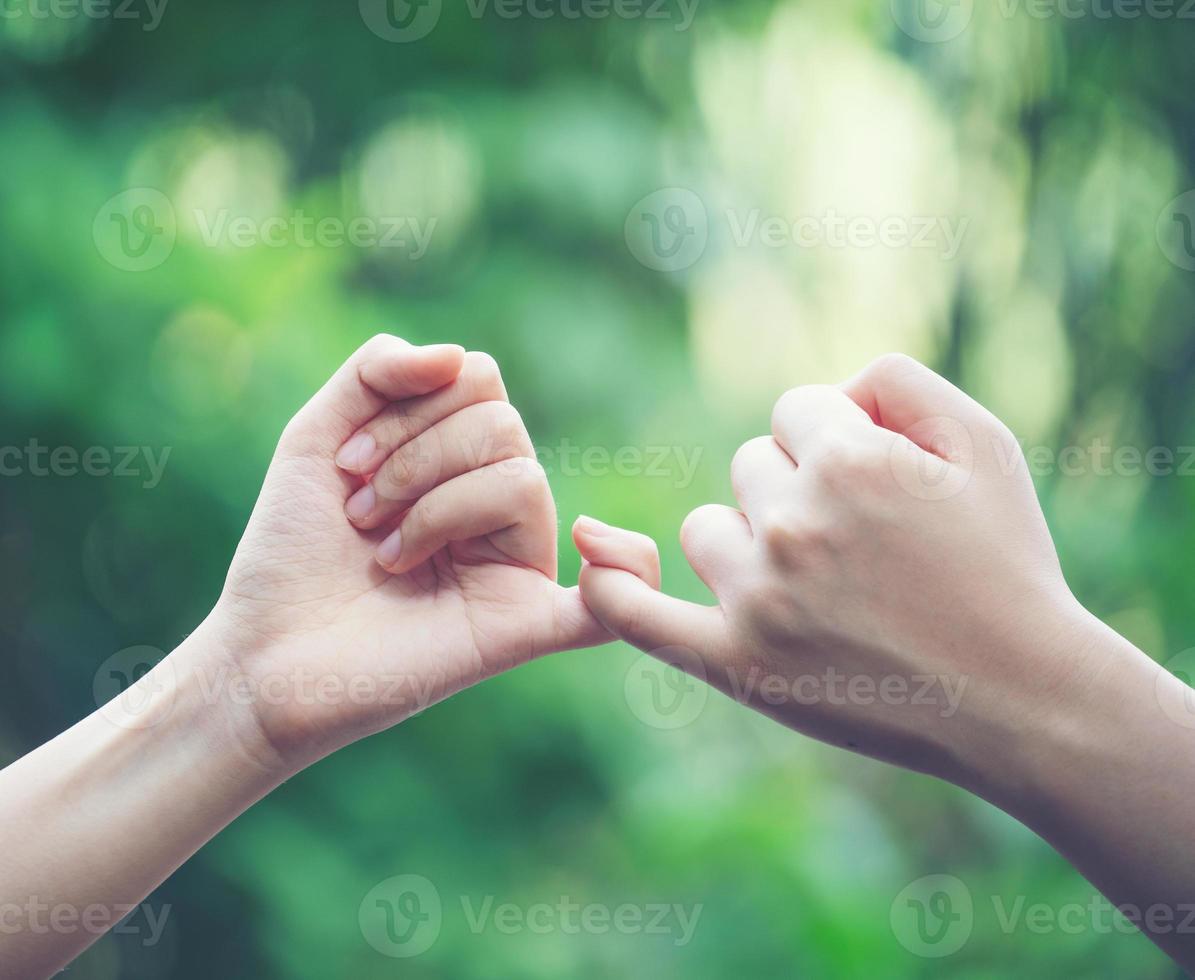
[[718, 542], [760, 474], [602, 544], [476, 436], [906, 397], [809, 419], [480, 380], [633, 611], [508, 502], [382, 370], [573, 626]]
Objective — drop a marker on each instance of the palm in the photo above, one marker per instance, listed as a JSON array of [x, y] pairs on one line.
[[339, 647], [307, 582]]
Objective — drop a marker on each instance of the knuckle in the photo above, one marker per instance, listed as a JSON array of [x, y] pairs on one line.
[[847, 462], [377, 344], [763, 607], [527, 478], [778, 531], [745, 458], [893, 364], [504, 422], [792, 540], [394, 427], [483, 370], [398, 475], [690, 529]]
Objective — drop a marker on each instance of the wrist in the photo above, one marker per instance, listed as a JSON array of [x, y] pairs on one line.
[[1079, 720], [203, 683]]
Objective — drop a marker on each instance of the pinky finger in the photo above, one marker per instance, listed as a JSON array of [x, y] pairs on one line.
[[602, 544]]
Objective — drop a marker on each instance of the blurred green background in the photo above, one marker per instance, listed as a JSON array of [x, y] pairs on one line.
[[525, 144]]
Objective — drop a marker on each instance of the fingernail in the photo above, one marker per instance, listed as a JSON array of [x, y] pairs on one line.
[[361, 504], [442, 348], [390, 549], [355, 453], [589, 525]]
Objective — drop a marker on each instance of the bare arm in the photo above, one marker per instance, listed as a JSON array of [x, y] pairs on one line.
[[889, 532], [403, 547]]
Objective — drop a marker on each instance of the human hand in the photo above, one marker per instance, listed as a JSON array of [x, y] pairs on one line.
[[888, 586], [447, 577]]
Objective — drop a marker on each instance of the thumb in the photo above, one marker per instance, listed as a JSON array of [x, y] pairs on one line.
[[618, 584]]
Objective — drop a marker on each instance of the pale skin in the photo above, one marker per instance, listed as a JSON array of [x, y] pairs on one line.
[[94, 820], [881, 530], [404, 547]]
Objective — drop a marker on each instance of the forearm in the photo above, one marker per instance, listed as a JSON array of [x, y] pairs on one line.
[[1110, 785], [94, 820]]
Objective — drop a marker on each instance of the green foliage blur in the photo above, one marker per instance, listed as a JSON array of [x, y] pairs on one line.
[[1059, 144]]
